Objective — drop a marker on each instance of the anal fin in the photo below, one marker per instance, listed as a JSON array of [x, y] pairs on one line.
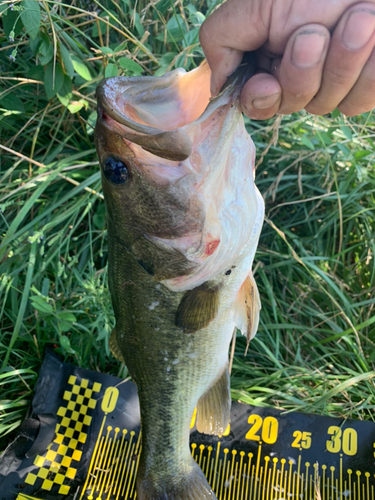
[[213, 412], [114, 347]]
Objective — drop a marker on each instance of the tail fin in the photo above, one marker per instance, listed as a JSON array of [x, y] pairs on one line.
[[189, 485]]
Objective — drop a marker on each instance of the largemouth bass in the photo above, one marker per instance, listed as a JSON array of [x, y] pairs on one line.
[[184, 218]]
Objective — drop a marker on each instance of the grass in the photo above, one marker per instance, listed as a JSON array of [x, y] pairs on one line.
[[314, 351]]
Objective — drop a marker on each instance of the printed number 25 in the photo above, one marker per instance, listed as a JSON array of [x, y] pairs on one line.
[[302, 440], [269, 429]]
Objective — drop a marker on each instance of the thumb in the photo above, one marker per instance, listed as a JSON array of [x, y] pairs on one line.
[[237, 26]]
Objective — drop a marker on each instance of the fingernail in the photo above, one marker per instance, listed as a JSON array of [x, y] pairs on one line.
[[308, 48], [358, 29], [265, 102]]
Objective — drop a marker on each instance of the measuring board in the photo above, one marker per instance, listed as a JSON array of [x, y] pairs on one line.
[[88, 444]]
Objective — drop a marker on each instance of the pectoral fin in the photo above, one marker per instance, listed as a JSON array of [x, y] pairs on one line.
[[247, 309], [198, 307], [213, 410]]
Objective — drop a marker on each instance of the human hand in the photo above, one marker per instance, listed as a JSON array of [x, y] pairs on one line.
[[314, 55]]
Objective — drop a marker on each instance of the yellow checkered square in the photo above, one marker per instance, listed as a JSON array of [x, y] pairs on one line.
[[47, 485], [62, 449], [73, 444], [87, 420], [59, 478], [78, 426], [55, 467], [30, 478], [69, 432], [77, 455], [96, 387], [66, 461], [88, 393], [61, 411], [67, 395], [84, 383], [92, 403], [83, 410], [75, 389], [43, 472], [39, 461], [82, 437], [51, 455], [71, 473], [72, 380], [71, 405], [75, 415], [80, 399], [65, 422], [59, 438], [64, 489]]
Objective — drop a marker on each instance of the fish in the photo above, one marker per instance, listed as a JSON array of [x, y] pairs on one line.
[[183, 218]]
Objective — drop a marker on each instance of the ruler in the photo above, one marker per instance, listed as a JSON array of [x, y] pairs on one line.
[[265, 454]]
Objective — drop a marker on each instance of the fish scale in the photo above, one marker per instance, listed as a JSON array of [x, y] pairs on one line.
[[184, 218]]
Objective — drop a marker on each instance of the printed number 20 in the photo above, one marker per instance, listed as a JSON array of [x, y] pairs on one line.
[[269, 426]]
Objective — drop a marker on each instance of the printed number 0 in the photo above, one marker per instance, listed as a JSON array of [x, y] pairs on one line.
[[347, 444], [269, 425]]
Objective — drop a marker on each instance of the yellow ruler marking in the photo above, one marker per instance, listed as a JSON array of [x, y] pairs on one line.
[[132, 476], [266, 460], [117, 474], [112, 460], [235, 483], [106, 464], [298, 474], [290, 477], [131, 447], [216, 462], [193, 447], [218, 480], [232, 479], [274, 460], [125, 454], [223, 472], [268, 483], [260, 481], [208, 461], [114, 464], [201, 448], [242, 454], [257, 469], [135, 475], [252, 477], [324, 481]]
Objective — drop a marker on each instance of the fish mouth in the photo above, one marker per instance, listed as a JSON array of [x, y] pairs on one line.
[[154, 112], [151, 111]]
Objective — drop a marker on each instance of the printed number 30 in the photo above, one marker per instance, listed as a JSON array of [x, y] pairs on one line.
[[269, 425]]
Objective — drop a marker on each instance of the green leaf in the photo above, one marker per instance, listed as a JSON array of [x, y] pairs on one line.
[[45, 51], [110, 70], [40, 304], [335, 113], [138, 24], [66, 316], [12, 102], [31, 17], [36, 73], [52, 86], [66, 60], [11, 22], [307, 142], [65, 93], [65, 343], [81, 68], [91, 121], [175, 28], [76, 106], [361, 154], [130, 66], [347, 132]]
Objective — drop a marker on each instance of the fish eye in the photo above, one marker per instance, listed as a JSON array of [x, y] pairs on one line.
[[116, 171]]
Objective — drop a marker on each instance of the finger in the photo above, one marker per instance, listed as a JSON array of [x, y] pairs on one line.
[[301, 67], [261, 96], [235, 27], [362, 96], [351, 45]]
